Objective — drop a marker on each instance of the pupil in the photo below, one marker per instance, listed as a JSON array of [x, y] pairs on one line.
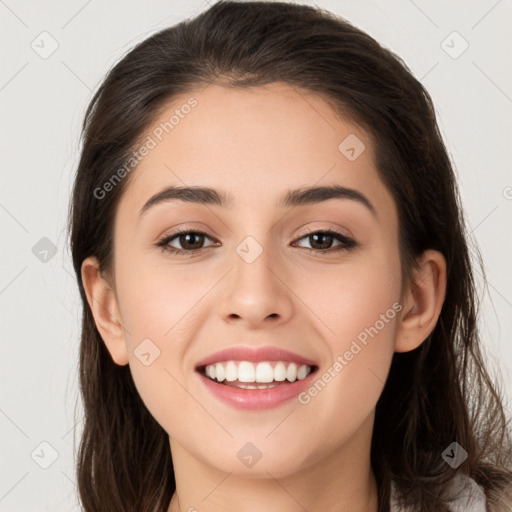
[[201, 237], [329, 239]]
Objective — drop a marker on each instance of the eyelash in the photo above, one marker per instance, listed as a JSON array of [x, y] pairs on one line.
[[347, 243]]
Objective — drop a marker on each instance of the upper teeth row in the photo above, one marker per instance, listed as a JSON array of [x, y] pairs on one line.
[[246, 371]]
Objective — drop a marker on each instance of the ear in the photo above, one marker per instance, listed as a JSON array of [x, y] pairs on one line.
[[103, 303], [422, 301]]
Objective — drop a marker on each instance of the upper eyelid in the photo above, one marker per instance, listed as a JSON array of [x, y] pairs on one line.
[[301, 234], [310, 231]]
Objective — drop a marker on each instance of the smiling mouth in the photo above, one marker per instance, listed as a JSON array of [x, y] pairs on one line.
[[251, 375]]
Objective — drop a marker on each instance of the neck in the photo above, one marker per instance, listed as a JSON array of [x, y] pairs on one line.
[[342, 481]]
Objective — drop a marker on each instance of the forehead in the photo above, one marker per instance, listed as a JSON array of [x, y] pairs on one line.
[[255, 144]]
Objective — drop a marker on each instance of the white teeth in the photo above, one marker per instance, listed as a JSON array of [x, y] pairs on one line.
[[302, 372], [246, 372], [262, 373], [279, 372], [220, 373], [291, 373], [231, 371]]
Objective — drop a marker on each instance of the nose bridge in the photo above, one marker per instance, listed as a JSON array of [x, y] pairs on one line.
[[255, 235], [255, 290], [253, 263]]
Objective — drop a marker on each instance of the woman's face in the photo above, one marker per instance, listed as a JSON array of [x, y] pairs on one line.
[[258, 278]]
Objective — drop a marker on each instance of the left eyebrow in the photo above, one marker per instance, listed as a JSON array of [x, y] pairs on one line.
[[291, 199]]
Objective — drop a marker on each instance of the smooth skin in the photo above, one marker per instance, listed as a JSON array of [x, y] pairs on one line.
[[255, 145]]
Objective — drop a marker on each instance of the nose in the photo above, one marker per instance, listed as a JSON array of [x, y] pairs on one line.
[[256, 291]]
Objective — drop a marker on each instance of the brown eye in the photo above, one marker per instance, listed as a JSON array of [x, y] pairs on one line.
[[190, 242], [322, 241]]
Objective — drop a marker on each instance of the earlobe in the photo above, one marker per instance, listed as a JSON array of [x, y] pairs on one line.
[[104, 308], [422, 303]]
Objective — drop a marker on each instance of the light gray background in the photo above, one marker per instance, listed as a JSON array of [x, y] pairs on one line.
[[42, 103]]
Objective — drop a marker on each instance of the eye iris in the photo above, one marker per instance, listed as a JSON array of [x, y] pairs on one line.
[[322, 235], [186, 236]]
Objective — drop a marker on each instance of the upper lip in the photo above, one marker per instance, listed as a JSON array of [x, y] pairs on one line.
[[246, 353]]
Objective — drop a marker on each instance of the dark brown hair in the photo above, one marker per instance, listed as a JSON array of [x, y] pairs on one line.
[[436, 394]]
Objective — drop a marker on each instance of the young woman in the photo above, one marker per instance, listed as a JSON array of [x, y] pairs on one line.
[[279, 310]]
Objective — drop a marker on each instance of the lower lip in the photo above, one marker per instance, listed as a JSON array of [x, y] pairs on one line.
[[256, 399]]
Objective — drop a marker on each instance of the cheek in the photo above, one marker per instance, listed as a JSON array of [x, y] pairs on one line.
[[157, 301], [358, 302], [159, 310], [358, 309]]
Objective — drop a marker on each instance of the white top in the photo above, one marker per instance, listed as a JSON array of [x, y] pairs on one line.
[[472, 499]]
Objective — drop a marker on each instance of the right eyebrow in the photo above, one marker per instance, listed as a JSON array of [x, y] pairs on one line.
[[311, 195]]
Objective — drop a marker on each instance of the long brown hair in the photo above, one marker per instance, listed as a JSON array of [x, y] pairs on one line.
[[436, 394]]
